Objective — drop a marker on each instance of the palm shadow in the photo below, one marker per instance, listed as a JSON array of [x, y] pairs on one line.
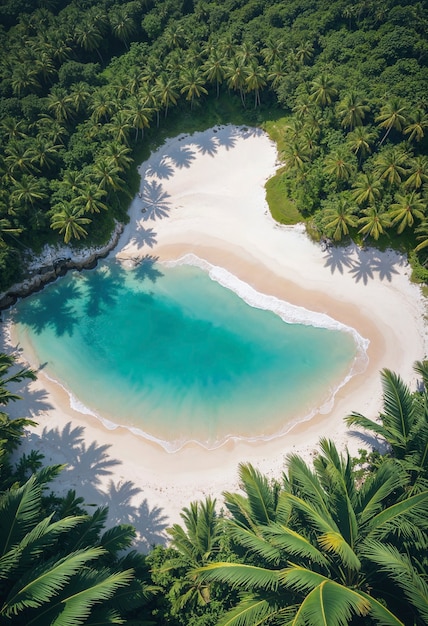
[[87, 467], [363, 264], [338, 259], [183, 156], [147, 269], [58, 298], [103, 288], [161, 168], [155, 201]]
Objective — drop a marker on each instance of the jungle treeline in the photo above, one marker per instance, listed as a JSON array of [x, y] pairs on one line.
[[85, 83]]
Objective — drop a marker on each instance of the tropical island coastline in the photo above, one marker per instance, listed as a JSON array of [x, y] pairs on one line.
[[214, 206]]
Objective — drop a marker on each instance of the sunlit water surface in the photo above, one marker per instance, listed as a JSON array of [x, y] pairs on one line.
[[176, 356]]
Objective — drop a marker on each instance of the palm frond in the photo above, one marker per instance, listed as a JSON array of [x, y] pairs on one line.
[[257, 544], [238, 575], [380, 613], [308, 485], [323, 523], [400, 569], [398, 405], [253, 611], [117, 538], [411, 509], [330, 604], [19, 512], [42, 583], [77, 607], [377, 488], [335, 543], [294, 544], [262, 496], [421, 367]]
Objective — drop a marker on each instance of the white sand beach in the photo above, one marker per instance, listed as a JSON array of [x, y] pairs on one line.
[[204, 195]]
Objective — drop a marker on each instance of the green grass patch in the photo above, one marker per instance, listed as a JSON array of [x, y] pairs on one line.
[[283, 210]]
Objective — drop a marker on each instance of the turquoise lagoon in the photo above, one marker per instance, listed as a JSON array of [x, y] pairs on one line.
[[186, 352]]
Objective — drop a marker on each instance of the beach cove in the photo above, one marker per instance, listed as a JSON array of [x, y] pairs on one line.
[[203, 195]]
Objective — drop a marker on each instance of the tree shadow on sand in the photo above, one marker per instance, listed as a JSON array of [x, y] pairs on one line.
[[363, 264], [155, 201], [87, 467]]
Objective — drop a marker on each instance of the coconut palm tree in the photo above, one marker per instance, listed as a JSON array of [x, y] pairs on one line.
[[122, 24], [215, 69], [391, 165], [69, 220], [192, 82], [406, 209], [44, 580], [339, 217], [167, 90], [90, 199], [295, 155], [417, 126], [323, 91], [197, 543], [273, 51], [418, 172], [367, 189], [374, 223], [61, 104], [236, 75], [352, 110], [393, 114], [28, 191], [305, 52], [255, 80], [402, 424], [138, 115], [339, 164], [118, 154], [319, 561], [360, 140], [276, 72]]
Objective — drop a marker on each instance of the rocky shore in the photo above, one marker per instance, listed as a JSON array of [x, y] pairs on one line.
[[54, 262]]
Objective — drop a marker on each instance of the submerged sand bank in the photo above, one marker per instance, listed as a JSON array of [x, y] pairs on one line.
[[205, 195]]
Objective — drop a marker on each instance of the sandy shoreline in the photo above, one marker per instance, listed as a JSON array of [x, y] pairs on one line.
[[205, 195]]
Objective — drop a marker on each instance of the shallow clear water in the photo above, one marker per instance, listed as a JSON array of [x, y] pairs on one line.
[[173, 354]]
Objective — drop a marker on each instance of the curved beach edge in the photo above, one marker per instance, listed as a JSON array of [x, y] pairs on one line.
[[204, 195]]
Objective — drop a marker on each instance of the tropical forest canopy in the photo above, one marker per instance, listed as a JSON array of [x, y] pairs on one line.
[[87, 85]]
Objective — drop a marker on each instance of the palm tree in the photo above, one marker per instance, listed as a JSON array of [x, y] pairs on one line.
[[360, 140], [44, 580], [44, 153], [24, 79], [80, 94], [406, 209], [323, 91], [193, 84], [390, 165], [196, 544], [374, 223], [295, 155], [106, 174], [255, 80], [90, 199], [123, 25], [119, 127], [69, 220], [236, 75], [62, 104], [367, 188], [422, 236], [167, 90], [28, 191], [418, 123], [352, 110], [339, 164], [402, 424], [305, 52], [215, 69], [102, 105], [88, 35], [276, 72], [7, 363], [392, 115], [119, 155], [339, 217], [138, 115], [273, 51], [418, 172], [19, 158], [318, 562]]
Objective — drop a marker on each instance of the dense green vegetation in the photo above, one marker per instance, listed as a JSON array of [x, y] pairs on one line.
[[87, 85], [342, 542]]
